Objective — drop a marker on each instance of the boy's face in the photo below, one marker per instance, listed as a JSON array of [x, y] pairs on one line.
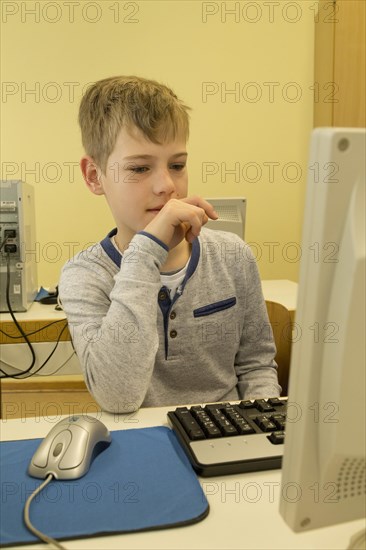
[[140, 178]]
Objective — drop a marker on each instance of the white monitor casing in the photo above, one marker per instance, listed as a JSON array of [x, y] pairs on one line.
[[323, 475]]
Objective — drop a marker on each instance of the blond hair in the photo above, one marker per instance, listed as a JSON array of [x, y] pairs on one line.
[[129, 101]]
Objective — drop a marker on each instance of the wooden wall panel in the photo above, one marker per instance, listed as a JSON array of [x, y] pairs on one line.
[[339, 76], [349, 63]]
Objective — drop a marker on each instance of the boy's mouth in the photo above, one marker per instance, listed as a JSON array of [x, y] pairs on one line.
[[156, 209]]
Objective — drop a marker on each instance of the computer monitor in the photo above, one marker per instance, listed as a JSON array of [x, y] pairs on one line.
[[231, 211], [323, 473]]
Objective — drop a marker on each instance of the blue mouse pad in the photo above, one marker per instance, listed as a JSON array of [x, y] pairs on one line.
[[142, 481]]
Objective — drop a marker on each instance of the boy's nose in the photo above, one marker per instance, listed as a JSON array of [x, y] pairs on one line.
[[164, 183]]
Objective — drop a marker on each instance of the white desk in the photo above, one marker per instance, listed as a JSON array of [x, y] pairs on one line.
[[243, 507], [36, 312], [281, 291]]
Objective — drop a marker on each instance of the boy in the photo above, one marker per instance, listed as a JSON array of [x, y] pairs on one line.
[[163, 311]]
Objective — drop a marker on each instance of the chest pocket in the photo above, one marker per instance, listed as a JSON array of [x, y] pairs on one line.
[[215, 307]]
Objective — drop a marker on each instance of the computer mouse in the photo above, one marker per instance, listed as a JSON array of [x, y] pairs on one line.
[[70, 447]]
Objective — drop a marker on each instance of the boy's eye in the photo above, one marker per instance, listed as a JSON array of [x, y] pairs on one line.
[[138, 169], [177, 167]]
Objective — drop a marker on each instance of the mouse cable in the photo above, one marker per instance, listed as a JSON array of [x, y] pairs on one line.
[[42, 375], [13, 316], [33, 331], [20, 375], [46, 360], [3, 243], [27, 521]]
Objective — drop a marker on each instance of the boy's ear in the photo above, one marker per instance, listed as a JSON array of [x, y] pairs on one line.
[[92, 175]]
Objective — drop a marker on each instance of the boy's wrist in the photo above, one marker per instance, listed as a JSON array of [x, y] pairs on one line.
[[155, 239], [144, 250]]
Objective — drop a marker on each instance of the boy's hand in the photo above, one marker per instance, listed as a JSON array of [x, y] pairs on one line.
[[181, 219]]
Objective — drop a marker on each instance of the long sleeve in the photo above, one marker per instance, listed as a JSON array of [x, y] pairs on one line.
[[112, 320]]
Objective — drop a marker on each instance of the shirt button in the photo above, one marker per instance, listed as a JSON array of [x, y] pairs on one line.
[[173, 333], [162, 295], [173, 315]]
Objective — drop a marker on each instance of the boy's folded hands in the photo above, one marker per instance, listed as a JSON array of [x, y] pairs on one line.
[[181, 219]]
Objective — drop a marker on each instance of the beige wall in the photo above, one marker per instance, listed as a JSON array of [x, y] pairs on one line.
[[263, 51]]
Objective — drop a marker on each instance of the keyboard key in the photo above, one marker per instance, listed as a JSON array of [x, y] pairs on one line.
[[202, 418], [228, 429], [219, 417], [263, 406], [189, 423], [246, 405], [277, 437], [275, 401], [198, 414], [206, 423], [265, 424], [213, 410], [279, 420], [239, 423], [230, 411], [196, 409], [211, 431], [244, 428], [196, 434]]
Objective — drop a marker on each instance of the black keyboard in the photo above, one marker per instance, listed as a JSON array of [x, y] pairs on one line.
[[229, 438]]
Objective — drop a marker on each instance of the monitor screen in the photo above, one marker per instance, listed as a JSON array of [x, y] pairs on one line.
[[323, 474]]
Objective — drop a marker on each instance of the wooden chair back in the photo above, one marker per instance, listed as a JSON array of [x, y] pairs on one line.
[[281, 324]]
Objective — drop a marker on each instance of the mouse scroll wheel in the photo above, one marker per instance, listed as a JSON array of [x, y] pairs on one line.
[[57, 449], [46, 453]]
